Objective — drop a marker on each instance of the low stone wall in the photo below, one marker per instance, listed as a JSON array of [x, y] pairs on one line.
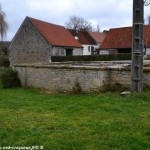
[[91, 76]]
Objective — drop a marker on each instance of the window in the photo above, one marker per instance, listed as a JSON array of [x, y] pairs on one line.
[[89, 49], [92, 50], [69, 52]]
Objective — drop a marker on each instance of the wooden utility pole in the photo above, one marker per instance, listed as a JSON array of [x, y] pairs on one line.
[[137, 46]]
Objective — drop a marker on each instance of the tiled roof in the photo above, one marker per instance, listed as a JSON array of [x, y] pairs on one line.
[[122, 38], [56, 35], [98, 36], [83, 37]]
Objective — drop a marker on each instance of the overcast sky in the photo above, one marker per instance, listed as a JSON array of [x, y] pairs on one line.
[[105, 13]]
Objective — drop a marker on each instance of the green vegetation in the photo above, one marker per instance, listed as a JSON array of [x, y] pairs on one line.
[[116, 88], [74, 122], [4, 61], [112, 57], [9, 78]]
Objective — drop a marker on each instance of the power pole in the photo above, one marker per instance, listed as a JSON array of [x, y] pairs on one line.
[[138, 45]]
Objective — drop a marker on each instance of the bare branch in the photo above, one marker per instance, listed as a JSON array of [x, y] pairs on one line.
[[3, 24], [79, 23]]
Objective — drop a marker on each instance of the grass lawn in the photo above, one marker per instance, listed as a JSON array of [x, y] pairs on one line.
[[74, 122]]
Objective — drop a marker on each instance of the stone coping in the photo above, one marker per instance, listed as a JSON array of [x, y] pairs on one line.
[[100, 65]]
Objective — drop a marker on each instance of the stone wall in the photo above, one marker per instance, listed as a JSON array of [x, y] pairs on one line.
[[148, 51], [64, 76], [28, 46], [77, 51]]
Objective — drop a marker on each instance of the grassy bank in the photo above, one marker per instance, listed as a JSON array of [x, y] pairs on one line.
[[83, 122]]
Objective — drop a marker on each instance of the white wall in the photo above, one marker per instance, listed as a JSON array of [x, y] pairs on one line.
[[147, 51], [87, 50], [104, 52], [77, 51], [61, 51]]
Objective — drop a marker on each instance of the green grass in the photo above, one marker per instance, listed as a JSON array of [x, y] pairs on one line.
[[74, 122]]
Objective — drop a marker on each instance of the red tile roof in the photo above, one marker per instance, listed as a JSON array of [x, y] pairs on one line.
[[56, 35], [83, 37], [98, 36], [122, 38]]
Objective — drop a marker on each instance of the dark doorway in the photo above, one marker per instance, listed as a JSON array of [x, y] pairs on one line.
[[69, 52], [124, 50]]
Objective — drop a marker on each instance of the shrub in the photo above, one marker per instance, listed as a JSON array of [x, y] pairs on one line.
[[9, 78], [4, 61], [116, 87], [92, 58]]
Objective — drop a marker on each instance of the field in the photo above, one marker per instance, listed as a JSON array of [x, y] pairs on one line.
[[74, 122]]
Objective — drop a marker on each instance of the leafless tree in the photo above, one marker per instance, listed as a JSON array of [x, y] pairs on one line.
[[3, 24], [79, 23]]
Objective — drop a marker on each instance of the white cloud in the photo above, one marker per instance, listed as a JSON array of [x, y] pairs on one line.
[[107, 14], [53, 7]]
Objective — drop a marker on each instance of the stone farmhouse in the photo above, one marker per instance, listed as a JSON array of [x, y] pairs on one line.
[[119, 40], [36, 41], [89, 40]]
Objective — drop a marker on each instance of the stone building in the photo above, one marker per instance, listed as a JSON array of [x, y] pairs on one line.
[[36, 41], [119, 40]]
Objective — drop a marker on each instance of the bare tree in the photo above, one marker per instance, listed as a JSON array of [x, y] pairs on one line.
[[79, 23], [3, 24]]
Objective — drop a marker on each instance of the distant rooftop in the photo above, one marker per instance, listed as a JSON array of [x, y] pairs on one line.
[[83, 37], [122, 38], [98, 36]]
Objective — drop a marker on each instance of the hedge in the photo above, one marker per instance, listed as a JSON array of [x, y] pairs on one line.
[[112, 57], [9, 78], [4, 61]]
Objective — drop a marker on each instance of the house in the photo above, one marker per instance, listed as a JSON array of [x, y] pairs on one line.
[[98, 37], [36, 41], [86, 40], [119, 40]]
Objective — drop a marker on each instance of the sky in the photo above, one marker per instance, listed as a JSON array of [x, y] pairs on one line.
[[105, 13]]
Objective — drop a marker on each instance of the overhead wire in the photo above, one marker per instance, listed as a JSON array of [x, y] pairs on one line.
[[146, 2]]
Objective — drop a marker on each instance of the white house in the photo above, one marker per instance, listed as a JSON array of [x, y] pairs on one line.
[[86, 40]]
